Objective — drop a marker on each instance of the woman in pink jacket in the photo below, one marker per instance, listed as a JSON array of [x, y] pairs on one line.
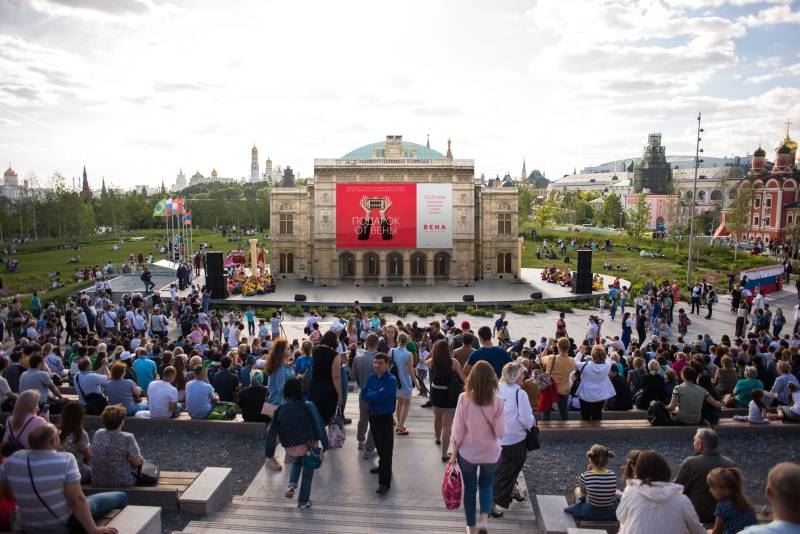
[[478, 427]]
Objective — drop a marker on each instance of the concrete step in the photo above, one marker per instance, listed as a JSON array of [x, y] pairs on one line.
[[257, 514]]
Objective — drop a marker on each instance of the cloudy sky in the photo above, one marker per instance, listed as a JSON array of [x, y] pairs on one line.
[[136, 89]]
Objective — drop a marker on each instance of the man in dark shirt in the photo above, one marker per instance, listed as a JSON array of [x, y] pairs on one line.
[[693, 471], [622, 399], [226, 383], [497, 357]]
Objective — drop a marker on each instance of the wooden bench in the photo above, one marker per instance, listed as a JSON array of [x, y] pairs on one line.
[[550, 514], [166, 494]]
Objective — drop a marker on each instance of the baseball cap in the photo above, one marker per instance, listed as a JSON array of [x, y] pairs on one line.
[[125, 356], [464, 325]]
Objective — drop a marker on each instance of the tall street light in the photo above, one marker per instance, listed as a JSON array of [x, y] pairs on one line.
[[697, 162]]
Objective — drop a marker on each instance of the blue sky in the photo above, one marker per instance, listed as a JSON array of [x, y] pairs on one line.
[[136, 89]]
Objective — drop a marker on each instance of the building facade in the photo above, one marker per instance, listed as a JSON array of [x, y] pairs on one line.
[[775, 202], [394, 213]]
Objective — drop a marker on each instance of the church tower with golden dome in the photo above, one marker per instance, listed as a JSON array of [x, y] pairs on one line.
[[254, 170]]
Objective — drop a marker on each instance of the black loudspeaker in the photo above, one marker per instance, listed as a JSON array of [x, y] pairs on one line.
[[387, 300], [536, 295], [468, 298], [299, 298], [214, 264], [217, 286], [584, 260]]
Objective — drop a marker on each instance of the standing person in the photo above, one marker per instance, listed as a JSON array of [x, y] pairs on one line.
[[447, 382], [147, 278], [44, 471], [275, 326], [362, 368], [404, 361], [519, 420], [298, 425], [697, 292], [653, 504], [325, 390], [627, 329], [711, 299], [641, 325], [478, 427], [561, 326], [595, 386], [497, 357], [251, 321], [777, 322], [560, 367], [380, 393]]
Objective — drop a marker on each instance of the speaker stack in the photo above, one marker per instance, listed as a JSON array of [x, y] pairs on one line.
[[582, 279], [216, 281]]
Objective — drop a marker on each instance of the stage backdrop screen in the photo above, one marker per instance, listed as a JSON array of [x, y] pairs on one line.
[[379, 215]]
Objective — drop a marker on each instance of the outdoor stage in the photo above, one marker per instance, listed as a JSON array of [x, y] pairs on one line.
[[529, 288]]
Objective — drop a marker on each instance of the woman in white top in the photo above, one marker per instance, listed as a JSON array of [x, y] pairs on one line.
[[595, 387], [519, 419], [653, 504]]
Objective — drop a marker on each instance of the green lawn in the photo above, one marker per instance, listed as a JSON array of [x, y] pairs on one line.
[[38, 258], [713, 263]]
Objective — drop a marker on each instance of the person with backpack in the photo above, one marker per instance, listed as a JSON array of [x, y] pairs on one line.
[[23, 420], [298, 426]]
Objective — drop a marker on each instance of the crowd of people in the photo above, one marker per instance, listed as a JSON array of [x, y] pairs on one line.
[[143, 357]]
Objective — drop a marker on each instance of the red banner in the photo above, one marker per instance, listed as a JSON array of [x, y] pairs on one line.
[[376, 215]]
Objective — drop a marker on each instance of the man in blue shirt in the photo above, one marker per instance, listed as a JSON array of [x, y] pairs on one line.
[[200, 396], [145, 369], [497, 357], [380, 392]]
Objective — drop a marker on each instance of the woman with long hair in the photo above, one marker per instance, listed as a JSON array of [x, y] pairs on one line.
[[447, 382], [404, 361], [478, 427], [24, 418], [277, 370], [326, 385], [74, 438]]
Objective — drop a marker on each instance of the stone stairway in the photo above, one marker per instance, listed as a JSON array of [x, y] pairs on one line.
[[344, 498]]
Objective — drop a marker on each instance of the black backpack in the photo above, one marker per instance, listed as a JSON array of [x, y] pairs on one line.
[[95, 402]]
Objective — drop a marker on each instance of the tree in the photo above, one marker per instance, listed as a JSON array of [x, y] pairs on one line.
[[545, 212], [524, 203], [637, 220], [737, 218], [677, 220], [611, 211]]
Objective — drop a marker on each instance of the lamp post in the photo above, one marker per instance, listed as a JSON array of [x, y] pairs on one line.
[[697, 162]]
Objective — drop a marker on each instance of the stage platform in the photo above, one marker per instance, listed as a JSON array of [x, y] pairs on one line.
[[486, 292]]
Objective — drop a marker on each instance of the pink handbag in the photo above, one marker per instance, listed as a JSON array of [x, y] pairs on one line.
[[452, 487]]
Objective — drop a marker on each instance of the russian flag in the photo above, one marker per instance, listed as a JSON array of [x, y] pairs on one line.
[[187, 219], [169, 207]]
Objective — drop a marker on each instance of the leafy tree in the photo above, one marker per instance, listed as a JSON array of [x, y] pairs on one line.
[[525, 200], [545, 212], [637, 221], [737, 218], [611, 212]]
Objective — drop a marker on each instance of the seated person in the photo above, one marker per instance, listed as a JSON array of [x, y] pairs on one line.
[[115, 454], [688, 398], [597, 488], [622, 399], [56, 477], [791, 413], [200, 395], [783, 486], [162, 397], [251, 398], [124, 391]]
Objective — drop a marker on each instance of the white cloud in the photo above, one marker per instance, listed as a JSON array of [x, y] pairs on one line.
[[771, 16]]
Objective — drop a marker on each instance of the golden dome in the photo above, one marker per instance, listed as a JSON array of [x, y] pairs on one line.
[[788, 141]]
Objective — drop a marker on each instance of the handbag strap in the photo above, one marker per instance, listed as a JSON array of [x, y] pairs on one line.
[[78, 383], [491, 426], [36, 491], [22, 430]]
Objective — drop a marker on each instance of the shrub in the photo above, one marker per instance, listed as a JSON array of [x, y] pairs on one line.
[[401, 310], [478, 312], [295, 310], [438, 308], [452, 312]]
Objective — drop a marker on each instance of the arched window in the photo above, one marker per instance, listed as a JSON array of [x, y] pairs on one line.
[[371, 267], [418, 265], [688, 195], [732, 193], [347, 265], [716, 194], [441, 265], [701, 196], [394, 265]]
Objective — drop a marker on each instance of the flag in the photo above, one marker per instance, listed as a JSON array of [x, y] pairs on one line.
[[169, 207], [187, 219], [160, 209], [179, 206]]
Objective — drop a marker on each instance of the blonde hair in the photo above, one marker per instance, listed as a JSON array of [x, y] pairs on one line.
[[511, 372], [27, 404], [599, 455]]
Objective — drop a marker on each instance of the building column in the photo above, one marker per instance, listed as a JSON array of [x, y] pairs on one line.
[[406, 268], [429, 279], [253, 256], [382, 264], [359, 279]]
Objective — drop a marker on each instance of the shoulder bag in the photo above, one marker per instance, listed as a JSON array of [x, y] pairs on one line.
[[532, 433], [147, 474], [576, 383], [336, 435], [95, 402]]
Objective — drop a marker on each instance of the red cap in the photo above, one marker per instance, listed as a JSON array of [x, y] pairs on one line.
[[464, 325]]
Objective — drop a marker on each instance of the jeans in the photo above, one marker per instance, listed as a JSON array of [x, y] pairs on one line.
[[305, 484], [102, 503], [475, 482], [137, 407], [563, 408], [583, 510]]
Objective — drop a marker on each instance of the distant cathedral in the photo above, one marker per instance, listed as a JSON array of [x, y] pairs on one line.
[[653, 174], [255, 174]]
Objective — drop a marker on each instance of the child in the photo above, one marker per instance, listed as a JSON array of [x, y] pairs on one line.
[[683, 322], [733, 512], [597, 488], [757, 411]]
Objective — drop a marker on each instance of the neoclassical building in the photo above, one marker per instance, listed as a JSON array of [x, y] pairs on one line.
[[394, 213]]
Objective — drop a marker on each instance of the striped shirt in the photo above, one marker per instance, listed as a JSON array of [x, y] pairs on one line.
[[51, 470], [599, 487]]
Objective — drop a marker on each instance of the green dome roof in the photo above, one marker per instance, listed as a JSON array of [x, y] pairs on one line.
[[760, 152], [368, 151]]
